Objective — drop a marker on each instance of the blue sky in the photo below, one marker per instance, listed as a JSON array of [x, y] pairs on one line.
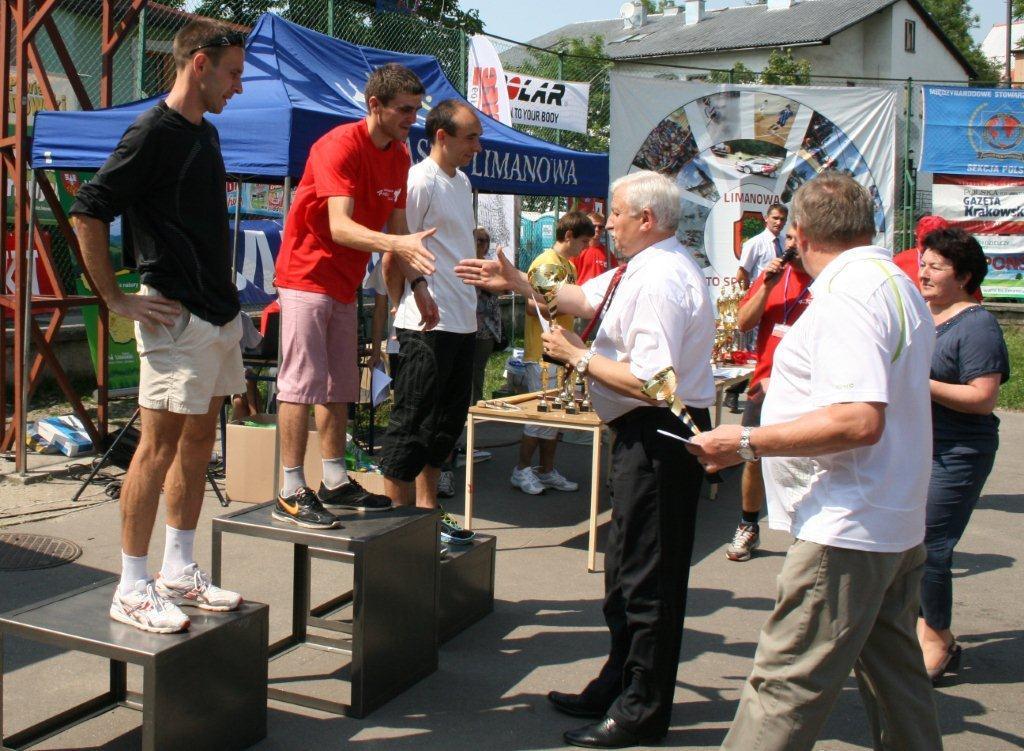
[[525, 19]]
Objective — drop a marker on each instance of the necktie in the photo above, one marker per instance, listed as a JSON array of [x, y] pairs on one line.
[[604, 301], [778, 247]]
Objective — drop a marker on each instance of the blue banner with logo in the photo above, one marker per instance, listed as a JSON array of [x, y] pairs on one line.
[[973, 131]]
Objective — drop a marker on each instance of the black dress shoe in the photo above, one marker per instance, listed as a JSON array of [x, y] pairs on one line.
[[606, 734], [577, 705]]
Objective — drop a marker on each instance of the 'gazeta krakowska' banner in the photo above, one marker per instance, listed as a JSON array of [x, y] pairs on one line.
[[734, 150], [991, 209]]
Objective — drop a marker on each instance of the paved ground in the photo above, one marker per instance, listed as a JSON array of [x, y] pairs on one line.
[[546, 631]]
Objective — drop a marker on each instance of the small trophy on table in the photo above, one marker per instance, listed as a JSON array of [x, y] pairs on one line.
[[662, 386], [546, 279]]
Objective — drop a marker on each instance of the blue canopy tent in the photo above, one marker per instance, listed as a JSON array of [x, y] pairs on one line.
[[298, 84]]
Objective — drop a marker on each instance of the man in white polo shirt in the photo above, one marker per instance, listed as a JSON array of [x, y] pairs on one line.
[[435, 373], [845, 435], [655, 313]]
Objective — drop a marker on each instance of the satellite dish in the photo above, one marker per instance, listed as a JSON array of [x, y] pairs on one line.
[[630, 14]]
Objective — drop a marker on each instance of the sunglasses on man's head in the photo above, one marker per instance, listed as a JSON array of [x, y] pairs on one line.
[[233, 39]]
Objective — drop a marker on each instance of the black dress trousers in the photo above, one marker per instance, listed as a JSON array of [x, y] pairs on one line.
[[655, 486]]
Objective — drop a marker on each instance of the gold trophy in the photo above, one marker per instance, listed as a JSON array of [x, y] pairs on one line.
[[546, 279], [727, 328], [662, 386]]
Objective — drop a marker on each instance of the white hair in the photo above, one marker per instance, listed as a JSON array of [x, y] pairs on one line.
[[649, 190]]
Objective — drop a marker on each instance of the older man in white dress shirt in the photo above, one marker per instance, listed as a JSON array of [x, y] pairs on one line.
[[656, 314]]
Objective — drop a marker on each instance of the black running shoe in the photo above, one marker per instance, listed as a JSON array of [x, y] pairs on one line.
[[354, 496], [304, 509]]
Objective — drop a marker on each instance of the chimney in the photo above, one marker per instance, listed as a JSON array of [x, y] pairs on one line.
[[670, 8], [781, 4], [695, 12]]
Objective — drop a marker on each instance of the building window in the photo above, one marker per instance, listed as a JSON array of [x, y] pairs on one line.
[[909, 35]]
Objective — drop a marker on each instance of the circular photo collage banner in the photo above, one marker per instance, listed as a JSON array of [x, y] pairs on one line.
[[735, 153]]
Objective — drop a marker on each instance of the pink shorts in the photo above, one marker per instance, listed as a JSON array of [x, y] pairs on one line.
[[318, 349]]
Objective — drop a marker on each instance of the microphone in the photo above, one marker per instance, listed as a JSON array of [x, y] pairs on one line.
[[786, 257]]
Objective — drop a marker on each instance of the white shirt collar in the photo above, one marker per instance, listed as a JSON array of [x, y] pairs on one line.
[[645, 256], [843, 259]]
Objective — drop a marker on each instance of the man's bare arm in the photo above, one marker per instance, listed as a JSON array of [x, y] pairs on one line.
[[348, 232], [94, 238]]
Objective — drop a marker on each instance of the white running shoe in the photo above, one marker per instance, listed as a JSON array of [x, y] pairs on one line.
[[146, 609], [556, 481], [193, 587], [527, 481]]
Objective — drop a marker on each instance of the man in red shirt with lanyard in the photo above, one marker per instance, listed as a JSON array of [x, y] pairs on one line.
[[594, 260], [354, 184], [774, 301]]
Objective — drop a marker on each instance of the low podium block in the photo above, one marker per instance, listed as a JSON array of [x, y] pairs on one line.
[[467, 586], [202, 689]]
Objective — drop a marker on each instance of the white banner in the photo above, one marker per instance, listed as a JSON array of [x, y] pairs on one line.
[[562, 105], [486, 74], [496, 213], [734, 150], [979, 203]]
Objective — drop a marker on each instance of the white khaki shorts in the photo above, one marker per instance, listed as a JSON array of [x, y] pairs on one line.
[[185, 365]]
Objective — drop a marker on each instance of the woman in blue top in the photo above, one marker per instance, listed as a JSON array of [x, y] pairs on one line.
[[968, 366]]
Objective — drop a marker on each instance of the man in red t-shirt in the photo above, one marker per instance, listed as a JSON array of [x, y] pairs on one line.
[[595, 259], [353, 185], [774, 301]]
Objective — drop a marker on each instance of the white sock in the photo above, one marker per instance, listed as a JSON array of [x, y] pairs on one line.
[[178, 552], [294, 478], [133, 568], [335, 473]]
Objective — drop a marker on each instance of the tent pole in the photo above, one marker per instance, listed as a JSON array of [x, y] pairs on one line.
[[21, 453], [286, 205], [234, 234]]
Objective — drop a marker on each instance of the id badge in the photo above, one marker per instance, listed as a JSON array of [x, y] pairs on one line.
[[780, 330]]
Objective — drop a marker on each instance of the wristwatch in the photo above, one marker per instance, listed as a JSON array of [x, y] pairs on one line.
[[746, 451], [584, 362], [414, 282]]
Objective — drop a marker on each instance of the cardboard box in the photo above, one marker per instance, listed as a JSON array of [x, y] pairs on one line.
[[250, 462], [66, 433]]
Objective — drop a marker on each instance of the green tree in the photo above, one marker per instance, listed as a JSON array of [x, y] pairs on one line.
[[244, 12], [956, 18], [782, 69], [739, 73]]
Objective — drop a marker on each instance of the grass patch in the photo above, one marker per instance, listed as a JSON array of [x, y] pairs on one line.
[[1011, 393]]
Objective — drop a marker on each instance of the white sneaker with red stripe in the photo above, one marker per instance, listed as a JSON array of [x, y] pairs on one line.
[[194, 588], [144, 608]]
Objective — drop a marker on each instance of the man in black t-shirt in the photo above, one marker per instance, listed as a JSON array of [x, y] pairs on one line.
[[166, 178]]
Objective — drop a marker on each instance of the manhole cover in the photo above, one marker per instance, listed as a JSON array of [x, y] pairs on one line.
[[21, 552]]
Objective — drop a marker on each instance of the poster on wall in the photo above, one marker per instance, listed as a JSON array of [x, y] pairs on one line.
[[991, 209], [734, 150]]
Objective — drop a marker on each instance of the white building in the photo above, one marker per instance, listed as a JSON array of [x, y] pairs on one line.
[[845, 38]]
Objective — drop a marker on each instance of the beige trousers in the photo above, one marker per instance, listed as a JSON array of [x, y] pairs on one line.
[[839, 609]]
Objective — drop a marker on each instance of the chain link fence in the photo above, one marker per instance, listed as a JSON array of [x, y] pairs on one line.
[[143, 67]]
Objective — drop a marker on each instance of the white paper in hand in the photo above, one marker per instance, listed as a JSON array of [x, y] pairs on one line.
[[545, 324], [379, 382]]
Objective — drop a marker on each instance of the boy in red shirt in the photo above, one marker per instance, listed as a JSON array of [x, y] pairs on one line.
[[774, 301], [595, 259], [354, 184]]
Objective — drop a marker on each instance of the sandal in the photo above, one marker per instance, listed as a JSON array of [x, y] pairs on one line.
[[950, 663]]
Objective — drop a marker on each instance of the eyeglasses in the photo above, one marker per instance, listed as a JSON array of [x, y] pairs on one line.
[[483, 240], [231, 39]]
